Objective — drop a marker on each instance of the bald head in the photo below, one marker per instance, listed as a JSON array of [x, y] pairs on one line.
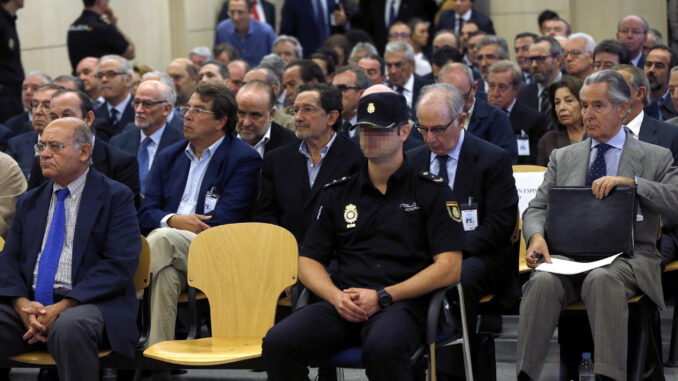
[[86, 71], [72, 139], [185, 77], [377, 89]]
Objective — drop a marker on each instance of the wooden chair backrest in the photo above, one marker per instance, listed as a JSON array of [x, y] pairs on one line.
[[2, 243], [242, 268], [142, 278], [522, 266]]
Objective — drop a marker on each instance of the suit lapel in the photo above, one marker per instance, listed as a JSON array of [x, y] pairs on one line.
[[631, 161], [87, 215], [213, 170], [576, 176], [479, 112], [328, 168], [99, 159]]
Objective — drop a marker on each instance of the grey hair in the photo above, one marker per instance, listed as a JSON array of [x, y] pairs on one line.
[[298, 49], [202, 51], [274, 63], [674, 70], [590, 42], [40, 74], [504, 66], [271, 78], [554, 46], [455, 101], [618, 91], [637, 79], [658, 39], [164, 78], [165, 90], [124, 64], [456, 66], [400, 46], [362, 80], [490, 39], [361, 46]]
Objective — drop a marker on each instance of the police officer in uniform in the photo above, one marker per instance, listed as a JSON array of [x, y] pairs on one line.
[[396, 236], [95, 34], [11, 71]]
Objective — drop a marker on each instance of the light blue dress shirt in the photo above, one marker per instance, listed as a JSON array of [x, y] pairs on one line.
[[314, 169], [612, 155]]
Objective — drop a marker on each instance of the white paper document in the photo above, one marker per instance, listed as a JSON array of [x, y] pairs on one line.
[[565, 267]]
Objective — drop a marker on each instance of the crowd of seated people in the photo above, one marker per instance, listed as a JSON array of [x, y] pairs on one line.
[[359, 104]]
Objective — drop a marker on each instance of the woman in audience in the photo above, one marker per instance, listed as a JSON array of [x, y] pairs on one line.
[[341, 45], [419, 39], [566, 115]]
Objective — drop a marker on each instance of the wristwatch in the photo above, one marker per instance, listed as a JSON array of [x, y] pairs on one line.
[[385, 299]]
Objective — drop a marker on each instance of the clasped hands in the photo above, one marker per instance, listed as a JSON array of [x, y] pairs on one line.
[[37, 318], [356, 304]]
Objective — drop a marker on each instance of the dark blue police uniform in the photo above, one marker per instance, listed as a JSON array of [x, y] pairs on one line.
[[11, 71], [90, 36]]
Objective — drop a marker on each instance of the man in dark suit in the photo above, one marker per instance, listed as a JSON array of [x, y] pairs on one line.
[[256, 110], [351, 82], [116, 75], [660, 60], [153, 104], [463, 11], [110, 161], [545, 57], [210, 181], [289, 192], [20, 147], [67, 266], [298, 73], [632, 31], [262, 11], [399, 59], [21, 123], [5, 133], [310, 21], [505, 78], [482, 119], [481, 178]]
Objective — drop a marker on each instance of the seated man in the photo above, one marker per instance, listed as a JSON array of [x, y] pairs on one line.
[[376, 298], [12, 185], [210, 181], [610, 157], [67, 266]]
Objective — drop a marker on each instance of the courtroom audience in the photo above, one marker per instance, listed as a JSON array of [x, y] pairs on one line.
[[609, 53]]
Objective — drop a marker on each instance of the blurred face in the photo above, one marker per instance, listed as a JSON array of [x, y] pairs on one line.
[[420, 34], [631, 32], [604, 61], [500, 90], [649, 43], [544, 66], [254, 114], [86, 70], [673, 88], [210, 73], [40, 109], [291, 82], [285, 50], [381, 144], [115, 83], [350, 95], [602, 119], [223, 58], [68, 106], [444, 39], [522, 50], [239, 14], [460, 80], [183, 82], [466, 29], [657, 69], [150, 107], [237, 70], [67, 165], [555, 28], [485, 57], [399, 69], [28, 88], [399, 32], [202, 128], [461, 6], [434, 114], [312, 122], [373, 70], [577, 62], [567, 107], [471, 52]]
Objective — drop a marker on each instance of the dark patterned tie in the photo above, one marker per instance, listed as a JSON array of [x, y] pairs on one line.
[[544, 104], [598, 168], [442, 163]]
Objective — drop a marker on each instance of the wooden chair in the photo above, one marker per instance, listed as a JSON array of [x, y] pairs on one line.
[[242, 268], [142, 279], [2, 243]]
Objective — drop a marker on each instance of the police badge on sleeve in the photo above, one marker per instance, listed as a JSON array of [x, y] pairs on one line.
[[453, 210]]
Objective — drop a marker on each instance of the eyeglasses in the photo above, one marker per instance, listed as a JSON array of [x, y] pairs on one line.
[[344, 88], [304, 110], [436, 131], [54, 147], [539, 59], [35, 105], [635, 32], [185, 110], [108, 74], [146, 103], [574, 53], [399, 35]]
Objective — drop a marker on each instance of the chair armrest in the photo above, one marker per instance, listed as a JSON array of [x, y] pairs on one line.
[[437, 303]]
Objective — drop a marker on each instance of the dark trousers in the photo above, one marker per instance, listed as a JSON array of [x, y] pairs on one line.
[[73, 340], [316, 332]]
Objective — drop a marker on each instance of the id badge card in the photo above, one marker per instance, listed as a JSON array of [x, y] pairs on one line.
[[469, 215], [523, 144], [211, 199]]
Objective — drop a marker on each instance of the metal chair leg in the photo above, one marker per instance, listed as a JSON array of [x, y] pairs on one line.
[[673, 351], [466, 345]]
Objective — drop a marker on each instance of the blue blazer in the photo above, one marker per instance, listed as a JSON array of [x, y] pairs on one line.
[[19, 124], [492, 124], [20, 148], [233, 171], [128, 140], [298, 20], [106, 249], [448, 20]]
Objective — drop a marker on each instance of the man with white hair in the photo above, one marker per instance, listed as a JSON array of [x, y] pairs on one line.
[[288, 48], [399, 57], [578, 53], [490, 49], [116, 75], [22, 122], [199, 55]]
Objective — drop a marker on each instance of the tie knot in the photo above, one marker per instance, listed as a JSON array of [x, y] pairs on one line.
[[603, 147], [146, 141], [61, 194], [442, 159]]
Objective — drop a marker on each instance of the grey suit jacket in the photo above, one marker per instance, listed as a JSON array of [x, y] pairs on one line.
[[657, 191]]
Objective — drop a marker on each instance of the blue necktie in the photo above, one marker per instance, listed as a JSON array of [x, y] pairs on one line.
[[442, 163], [598, 168], [142, 158], [113, 117], [49, 259]]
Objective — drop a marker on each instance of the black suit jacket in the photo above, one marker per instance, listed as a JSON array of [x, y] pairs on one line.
[[104, 129], [533, 123], [667, 110], [660, 133], [419, 83], [19, 124], [484, 172], [493, 125], [21, 149], [528, 96], [299, 20], [285, 197], [110, 161], [641, 61], [280, 136], [5, 134], [448, 20], [269, 12], [128, 140]]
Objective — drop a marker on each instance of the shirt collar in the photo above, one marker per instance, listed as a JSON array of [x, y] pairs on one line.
[[617, 141], [75, 187], [409, 85], [634, 125], [454, 154], [208, 153], [304, 150], [510, 107], [467, 15], [120, 107], [155, 137], [264, 139]]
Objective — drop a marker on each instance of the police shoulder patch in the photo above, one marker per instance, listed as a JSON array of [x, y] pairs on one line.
[[337, 181], [431, 177]]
